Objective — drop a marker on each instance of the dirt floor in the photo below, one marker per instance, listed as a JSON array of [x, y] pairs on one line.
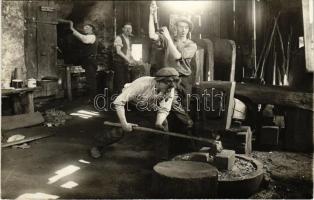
[[124, 170], [287, 175]]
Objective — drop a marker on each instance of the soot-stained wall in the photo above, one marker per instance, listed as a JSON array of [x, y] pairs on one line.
[[12, 39], [99, 13]]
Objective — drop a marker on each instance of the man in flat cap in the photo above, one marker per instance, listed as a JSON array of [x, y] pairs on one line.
[[149, 93], [146, 94]]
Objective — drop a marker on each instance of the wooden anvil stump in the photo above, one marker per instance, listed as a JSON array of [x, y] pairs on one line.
[[184, 179]]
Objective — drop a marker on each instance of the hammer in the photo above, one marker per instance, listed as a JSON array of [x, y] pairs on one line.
[[212, 142]]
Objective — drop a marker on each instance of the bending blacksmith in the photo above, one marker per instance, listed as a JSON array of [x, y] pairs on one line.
[[146, 94]]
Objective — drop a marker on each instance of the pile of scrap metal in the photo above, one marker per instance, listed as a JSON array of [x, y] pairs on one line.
[[55, 117]]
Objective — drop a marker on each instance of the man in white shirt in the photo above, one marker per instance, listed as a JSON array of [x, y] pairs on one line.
[[122, 57], [122, 43], [146, 94], [87, 56], [149, 94]]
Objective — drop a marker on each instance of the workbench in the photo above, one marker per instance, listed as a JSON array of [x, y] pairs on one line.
[[68, 80], [20, 96], [70, 69]]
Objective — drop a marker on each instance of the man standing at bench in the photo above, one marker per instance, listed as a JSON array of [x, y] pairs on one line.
[[122, 57]]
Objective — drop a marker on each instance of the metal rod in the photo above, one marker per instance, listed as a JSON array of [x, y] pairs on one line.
[[114, 19], [26, 140], [139, 128], [254, 32], [234, 19]]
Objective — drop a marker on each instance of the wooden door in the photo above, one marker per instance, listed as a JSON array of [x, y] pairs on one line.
[[41, 39]]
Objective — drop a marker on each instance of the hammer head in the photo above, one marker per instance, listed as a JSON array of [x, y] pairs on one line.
[[212, 149], [216, 147]]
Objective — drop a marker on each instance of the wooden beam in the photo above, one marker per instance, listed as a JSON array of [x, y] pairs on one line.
[[21, 120], [277, 95]]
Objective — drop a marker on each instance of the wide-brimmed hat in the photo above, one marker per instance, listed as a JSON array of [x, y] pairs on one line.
[[91, 24], [184, 19]]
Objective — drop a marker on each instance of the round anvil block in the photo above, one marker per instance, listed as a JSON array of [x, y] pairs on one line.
[[184, 179]]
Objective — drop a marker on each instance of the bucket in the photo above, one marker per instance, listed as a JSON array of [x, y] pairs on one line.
[[31, 83], [239, 110], [17, 83]]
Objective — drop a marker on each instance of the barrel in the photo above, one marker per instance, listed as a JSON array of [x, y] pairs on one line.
[[184, 179]]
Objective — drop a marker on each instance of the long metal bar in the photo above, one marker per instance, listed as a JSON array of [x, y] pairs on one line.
[[26, 140], [254, 32], [139, 128]]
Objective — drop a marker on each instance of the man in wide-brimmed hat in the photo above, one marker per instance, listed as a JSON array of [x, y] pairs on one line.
[[177, 53], [87, 58]]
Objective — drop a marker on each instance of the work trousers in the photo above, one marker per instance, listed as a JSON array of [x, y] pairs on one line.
[[179, 119], [123, 73], [90, 66], [150, 141], [121, 76]]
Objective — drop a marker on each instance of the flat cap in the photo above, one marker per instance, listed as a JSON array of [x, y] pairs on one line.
[[167, 72]]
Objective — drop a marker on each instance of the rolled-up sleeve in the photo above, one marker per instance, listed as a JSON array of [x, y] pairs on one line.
[[161, 42], [127, 94], [118, 42], [165, 104], [88, 39]]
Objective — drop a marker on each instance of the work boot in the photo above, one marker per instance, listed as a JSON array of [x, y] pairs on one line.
[[95, 152]]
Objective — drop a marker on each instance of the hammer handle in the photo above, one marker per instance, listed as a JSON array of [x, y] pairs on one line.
[[64, 21], [139, 128]]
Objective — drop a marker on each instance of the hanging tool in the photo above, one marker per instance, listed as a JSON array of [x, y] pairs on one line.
[[156, 22], [267, 50]]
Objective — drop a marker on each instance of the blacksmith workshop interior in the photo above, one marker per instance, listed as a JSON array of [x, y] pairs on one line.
[[157, 99]]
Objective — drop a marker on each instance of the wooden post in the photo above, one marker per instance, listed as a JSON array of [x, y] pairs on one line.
[[308, 24], [17, 107], [30, 102], [68, 79], [184, 179]]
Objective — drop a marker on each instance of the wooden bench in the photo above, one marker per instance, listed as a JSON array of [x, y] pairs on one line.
[[20, 97]]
